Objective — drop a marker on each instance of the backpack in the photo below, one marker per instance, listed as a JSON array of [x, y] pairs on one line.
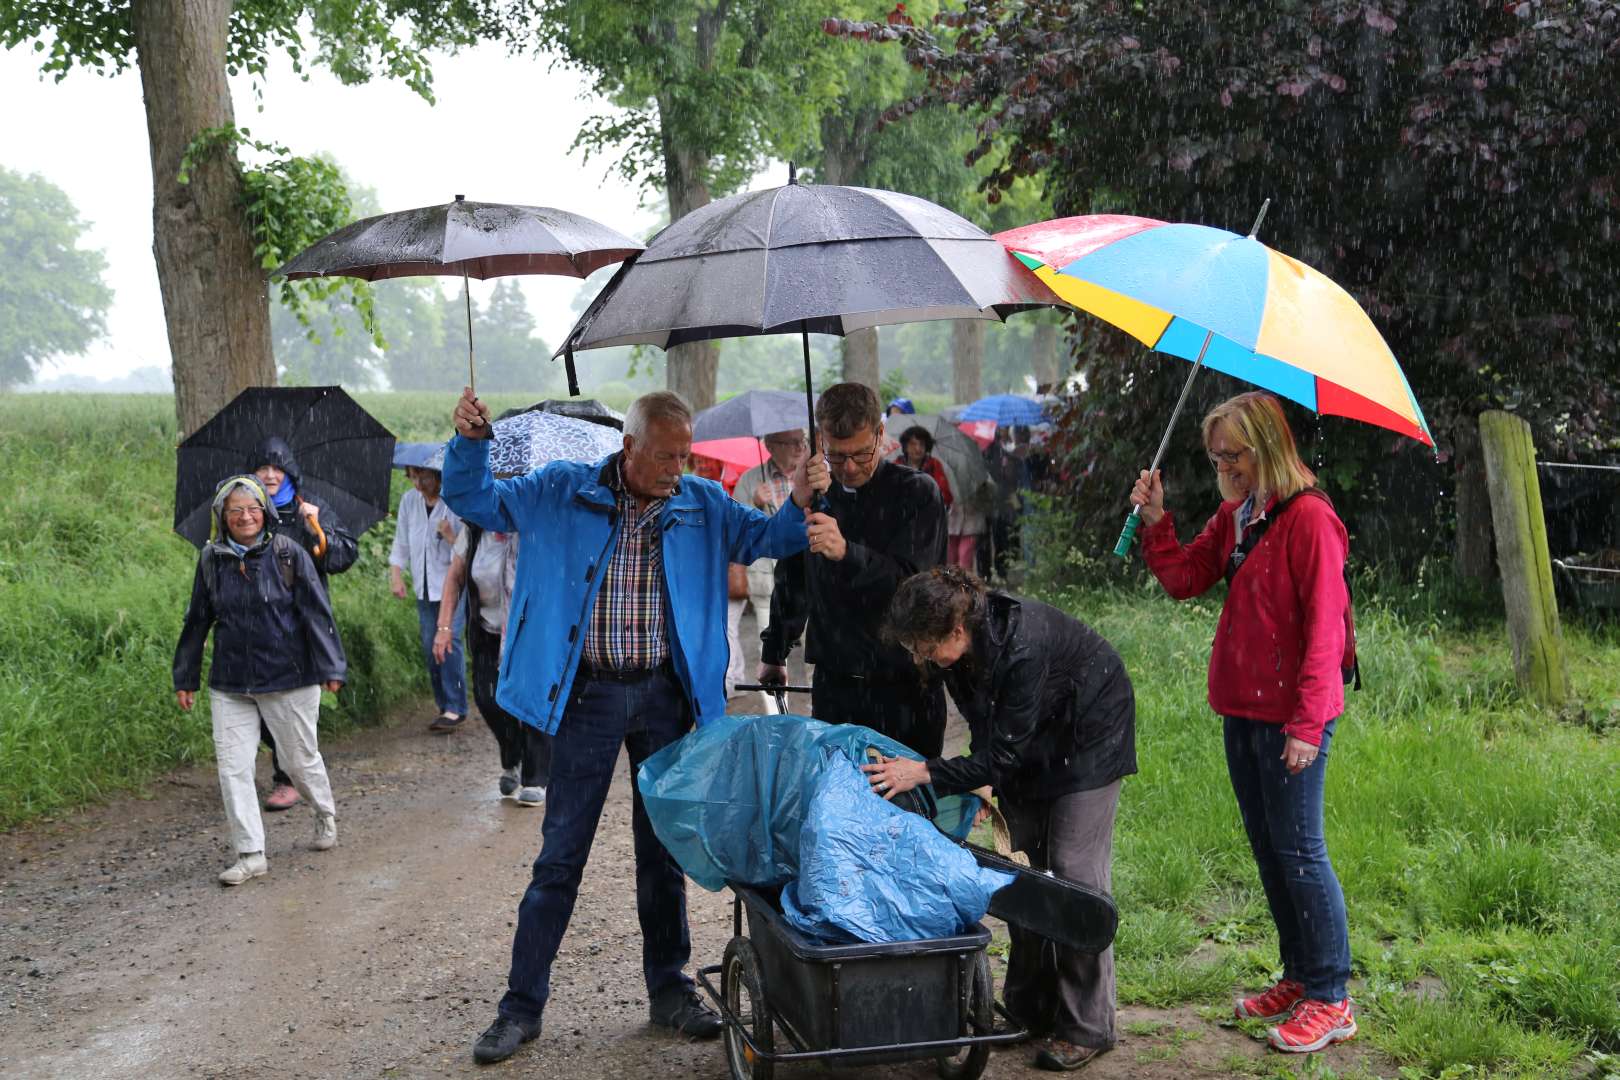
[[282, 548], [1349, 664]]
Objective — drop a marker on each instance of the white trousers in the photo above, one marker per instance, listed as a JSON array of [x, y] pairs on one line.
[[290, 715], [760, 584]]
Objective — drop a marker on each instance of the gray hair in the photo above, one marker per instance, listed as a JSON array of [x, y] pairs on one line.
[[658, 405]]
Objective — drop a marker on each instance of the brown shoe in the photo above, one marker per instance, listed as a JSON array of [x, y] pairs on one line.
[[1060, 1056]]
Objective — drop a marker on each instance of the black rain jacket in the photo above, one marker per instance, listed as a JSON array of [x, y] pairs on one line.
[[1048, 702], [341, 548]]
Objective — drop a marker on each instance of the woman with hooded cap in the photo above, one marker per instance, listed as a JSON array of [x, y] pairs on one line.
[[306, 519], [275, 647]]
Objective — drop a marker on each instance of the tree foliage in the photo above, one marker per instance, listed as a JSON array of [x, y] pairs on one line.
[[1452, 163], [53, 301]]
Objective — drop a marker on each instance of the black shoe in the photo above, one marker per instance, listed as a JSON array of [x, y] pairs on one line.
[[502, 1039], [686, 1013], [1060, 1056]]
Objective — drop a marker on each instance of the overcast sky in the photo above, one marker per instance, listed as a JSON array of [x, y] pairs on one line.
[[500, 132]]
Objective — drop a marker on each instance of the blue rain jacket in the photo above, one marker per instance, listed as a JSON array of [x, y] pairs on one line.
[[567, 518]]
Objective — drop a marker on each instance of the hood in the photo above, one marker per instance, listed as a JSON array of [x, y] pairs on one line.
[[251, 485], [275, 451]]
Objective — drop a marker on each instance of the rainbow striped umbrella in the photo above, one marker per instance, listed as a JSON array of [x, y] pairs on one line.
[[1228, 302]]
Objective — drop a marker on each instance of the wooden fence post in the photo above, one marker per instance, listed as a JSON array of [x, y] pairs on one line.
[[1521, 555]]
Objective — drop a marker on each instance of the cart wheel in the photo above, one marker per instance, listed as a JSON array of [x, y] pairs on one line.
[[742, 984], [968, 1063]]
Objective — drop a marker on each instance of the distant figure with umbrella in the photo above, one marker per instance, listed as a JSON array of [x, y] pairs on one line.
[[883, 523], [1276, 676], [612, 644], [766, 487], [275, 647], [424, 538], [305, 518]]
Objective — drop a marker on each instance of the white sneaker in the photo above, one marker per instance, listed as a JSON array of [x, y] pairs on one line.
[[531, 796], [249, 864], [325, 833]]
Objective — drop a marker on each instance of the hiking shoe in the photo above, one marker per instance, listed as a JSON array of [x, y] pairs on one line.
[[509, 781], [325, 833], [445, 722], [283, 797], [531, 796], [248, 865], [1272, 1005], [686, 1013], [502, 1038], [1060, 1056], [1314, 1025]]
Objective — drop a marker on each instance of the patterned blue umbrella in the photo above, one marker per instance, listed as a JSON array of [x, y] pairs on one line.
[[529, 440]]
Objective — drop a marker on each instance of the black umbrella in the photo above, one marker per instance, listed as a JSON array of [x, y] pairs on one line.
[[582, 409], [344, 455], [473, 239], [806, 259]]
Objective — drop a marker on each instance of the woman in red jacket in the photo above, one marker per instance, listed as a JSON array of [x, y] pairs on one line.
[[1275, 676]]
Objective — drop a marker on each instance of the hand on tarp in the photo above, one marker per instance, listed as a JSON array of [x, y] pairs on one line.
[[894, 775]]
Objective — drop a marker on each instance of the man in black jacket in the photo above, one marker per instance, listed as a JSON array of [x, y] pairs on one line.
[[318, 531], [882, 523]]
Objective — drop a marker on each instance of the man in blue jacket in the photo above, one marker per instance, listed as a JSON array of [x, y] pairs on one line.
[[616, 635]]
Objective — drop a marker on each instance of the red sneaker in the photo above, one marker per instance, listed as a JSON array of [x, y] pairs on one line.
[[1271, 1005], [1314, 1025]]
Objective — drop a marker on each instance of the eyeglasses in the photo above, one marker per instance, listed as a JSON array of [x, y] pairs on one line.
[[237, 513], [1229, 458], [860, 458]]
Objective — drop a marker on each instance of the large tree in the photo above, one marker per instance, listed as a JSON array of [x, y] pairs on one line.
[[703, 91], [1453, 163], [210, 253], [53, 301]]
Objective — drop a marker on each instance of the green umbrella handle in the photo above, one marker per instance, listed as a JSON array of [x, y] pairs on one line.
[[1127, 535]]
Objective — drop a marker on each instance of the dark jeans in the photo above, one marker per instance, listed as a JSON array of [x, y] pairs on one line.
[[449, 679], [1282, 814], [1050, 989], [644, 716], [909, 712], [523, 747]]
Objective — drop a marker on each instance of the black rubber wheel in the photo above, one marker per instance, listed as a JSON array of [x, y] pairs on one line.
[[969, 1063], [742, 984]]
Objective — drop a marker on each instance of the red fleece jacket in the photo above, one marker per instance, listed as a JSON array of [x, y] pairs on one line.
[[1280, 641]]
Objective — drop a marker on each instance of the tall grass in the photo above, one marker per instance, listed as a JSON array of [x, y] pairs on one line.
[[94, 583], [1477, 837]]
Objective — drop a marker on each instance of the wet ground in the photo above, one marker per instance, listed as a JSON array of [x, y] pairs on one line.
[[120, 956]]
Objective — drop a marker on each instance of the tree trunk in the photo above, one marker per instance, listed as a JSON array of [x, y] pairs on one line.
[[1474, 556], [967, 360], [215, 300], [691, 369], [861, 358], [1044, 356]]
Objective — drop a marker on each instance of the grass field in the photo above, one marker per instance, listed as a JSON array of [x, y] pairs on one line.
[[1477, 839]]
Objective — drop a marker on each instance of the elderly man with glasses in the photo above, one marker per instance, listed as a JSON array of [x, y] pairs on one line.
[[882, 523]]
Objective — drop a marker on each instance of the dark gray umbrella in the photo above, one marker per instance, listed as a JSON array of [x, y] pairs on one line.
[[583, 409], [753, 413], [806, 259], [472, 239]]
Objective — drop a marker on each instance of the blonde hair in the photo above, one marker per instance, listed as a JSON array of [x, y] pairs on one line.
[[1256, 422]]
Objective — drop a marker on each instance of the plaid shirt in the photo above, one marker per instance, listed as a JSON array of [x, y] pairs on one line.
[[627, 630], [778, 485]]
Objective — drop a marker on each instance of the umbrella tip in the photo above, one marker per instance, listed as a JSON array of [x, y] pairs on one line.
[[1261, 216], [461, 198], [793, 172]]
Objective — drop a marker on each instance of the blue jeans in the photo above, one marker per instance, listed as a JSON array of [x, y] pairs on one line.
[[449, 679], [643, 716], [1282, 814]]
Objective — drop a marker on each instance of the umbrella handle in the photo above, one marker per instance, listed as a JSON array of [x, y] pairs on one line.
[[1127, 535]]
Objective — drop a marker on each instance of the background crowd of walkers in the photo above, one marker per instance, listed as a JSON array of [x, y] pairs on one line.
[[623, 633]]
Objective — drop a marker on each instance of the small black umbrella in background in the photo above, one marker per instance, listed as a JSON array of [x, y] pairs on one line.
[[472, 239], [344, 455], [581, 409], [805, 259]]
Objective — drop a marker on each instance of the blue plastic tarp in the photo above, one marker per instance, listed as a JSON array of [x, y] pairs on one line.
[[869, 871], [729, 799]]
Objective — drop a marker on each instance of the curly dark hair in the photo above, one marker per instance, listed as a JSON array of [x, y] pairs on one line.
[[917, 431], [929, 605]]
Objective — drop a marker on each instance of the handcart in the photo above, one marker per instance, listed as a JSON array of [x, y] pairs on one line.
[[861, 1004]]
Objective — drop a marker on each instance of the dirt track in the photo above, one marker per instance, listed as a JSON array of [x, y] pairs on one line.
[[120, 956]]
